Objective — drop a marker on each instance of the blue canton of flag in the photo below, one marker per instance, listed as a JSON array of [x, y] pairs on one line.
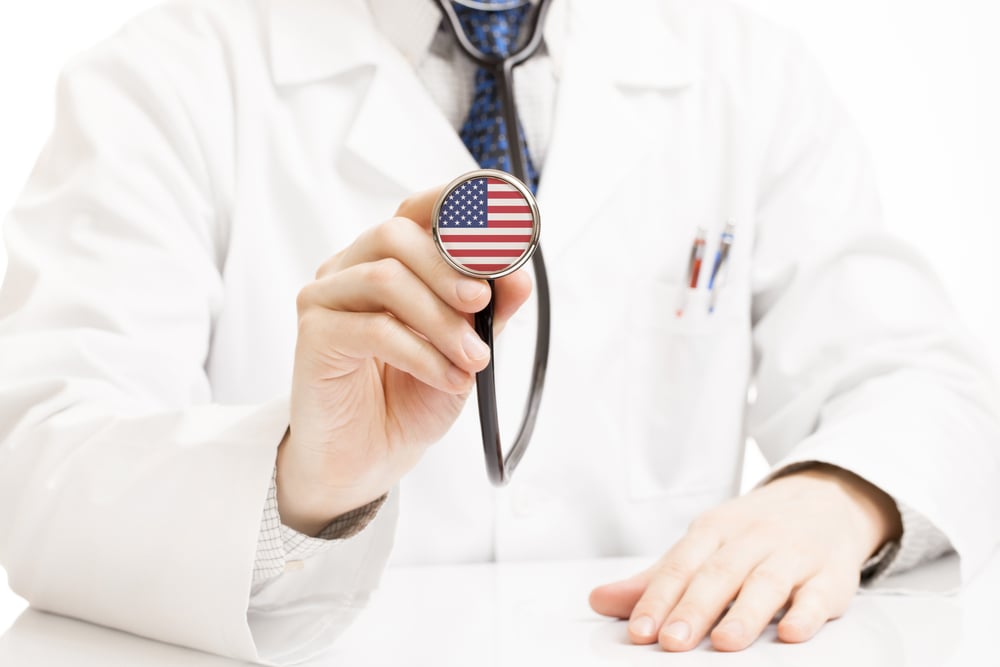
[[466, 206]]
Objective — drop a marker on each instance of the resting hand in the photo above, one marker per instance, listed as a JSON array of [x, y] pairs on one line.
[[385, 358], [800, 540]]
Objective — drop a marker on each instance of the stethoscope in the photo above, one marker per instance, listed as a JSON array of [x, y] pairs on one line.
[[500, 466]]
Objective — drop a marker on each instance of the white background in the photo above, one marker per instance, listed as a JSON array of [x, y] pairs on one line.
[[921, 77]]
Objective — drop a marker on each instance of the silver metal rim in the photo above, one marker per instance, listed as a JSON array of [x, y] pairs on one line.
[[535, 219]]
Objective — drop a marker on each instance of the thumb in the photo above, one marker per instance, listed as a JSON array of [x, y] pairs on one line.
[[418, 207]]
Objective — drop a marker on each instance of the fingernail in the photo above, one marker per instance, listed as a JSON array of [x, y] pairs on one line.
[[642, 626], [474, 346], [470, 290], [732, 628], [678, 630]]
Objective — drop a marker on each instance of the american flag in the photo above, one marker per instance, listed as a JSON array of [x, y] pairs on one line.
[[485, 225]]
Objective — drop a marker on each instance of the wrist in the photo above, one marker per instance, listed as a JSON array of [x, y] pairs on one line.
[[875, 512], [307, 500]]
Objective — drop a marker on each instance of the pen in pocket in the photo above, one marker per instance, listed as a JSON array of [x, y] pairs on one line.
[[693, 269], [721, 257]]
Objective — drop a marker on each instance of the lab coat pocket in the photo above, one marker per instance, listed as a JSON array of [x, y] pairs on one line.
[[686, 398]]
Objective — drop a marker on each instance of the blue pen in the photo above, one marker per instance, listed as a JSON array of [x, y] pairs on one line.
[[721, 256]]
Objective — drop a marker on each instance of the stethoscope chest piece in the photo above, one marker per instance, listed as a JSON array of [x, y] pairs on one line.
[[486, 224]]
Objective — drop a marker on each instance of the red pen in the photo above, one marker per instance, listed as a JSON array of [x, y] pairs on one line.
[[693, 269]]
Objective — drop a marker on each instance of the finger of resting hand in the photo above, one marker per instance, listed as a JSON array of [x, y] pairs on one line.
[[764, 592], [713, 586], [388, 285], [352, 336], [820, 599], [618, 598], [669, 579], [403, 240]]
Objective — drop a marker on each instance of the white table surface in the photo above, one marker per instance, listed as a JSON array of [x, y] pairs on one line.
[[537, 613]]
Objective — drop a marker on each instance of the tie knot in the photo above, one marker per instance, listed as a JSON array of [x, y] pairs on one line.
[[492, 31]]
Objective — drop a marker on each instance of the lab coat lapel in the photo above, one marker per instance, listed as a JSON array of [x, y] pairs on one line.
[[309, 40], [599, 129], [398, 140], [401, 134]]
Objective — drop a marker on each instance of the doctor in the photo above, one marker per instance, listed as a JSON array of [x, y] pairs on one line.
[[233, 383]]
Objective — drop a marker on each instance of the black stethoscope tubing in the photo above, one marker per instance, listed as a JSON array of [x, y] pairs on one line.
[[499, 467]]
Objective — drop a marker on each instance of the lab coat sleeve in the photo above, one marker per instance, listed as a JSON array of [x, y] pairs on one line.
[[860, 361], [128, 497]]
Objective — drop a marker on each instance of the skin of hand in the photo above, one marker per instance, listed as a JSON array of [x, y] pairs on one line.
[[385, 358], [798, 542]]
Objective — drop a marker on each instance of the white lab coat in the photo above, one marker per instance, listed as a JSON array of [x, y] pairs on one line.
[[206, 160]]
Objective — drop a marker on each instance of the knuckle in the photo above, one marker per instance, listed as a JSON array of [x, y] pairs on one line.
[[706, 522], [328, 266], [817, 607], [769, 579], [720, 569], [408, 204], [385, 234], [305, 299], [693, 611], [384, 272], [672, 570], [653, 604], [382, 327], [761, 525], [769, 527]]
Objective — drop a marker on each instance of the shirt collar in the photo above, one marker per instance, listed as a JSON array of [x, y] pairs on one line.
[[415, 26]]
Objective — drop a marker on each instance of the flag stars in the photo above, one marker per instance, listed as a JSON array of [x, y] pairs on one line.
[[467, 206]]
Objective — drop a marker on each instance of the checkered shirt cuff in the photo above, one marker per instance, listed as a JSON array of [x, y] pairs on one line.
[[280, 548]]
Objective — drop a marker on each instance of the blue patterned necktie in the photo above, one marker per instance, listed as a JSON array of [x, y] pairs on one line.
[[493, 32]]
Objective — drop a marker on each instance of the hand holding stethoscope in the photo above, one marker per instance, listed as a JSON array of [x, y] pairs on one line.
[[384, 355]]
